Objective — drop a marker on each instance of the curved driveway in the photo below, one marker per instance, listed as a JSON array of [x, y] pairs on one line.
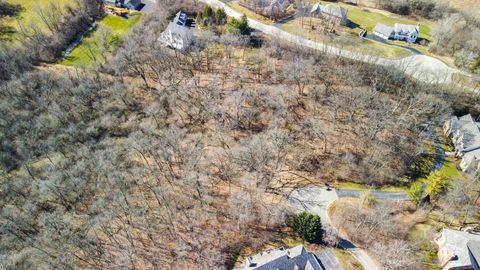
[[316, 200], [421, 67]]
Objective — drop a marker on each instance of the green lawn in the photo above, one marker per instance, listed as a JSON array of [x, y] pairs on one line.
[[346, 39], [387, 188], [346, 259], [88, 52], [29, 15], [367, 19], [252, 15]]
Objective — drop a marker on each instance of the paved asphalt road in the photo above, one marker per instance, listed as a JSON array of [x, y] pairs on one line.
[[421, 67], [316, 200]]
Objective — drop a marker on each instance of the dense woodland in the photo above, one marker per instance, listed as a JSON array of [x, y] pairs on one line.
[[159, 159]]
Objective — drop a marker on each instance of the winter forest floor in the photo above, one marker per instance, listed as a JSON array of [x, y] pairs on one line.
[[162, 158]]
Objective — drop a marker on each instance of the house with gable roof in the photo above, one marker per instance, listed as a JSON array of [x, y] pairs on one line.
[[331, 12], [458, 249], [177, 35], [398, 31], [296, 258], [465, 134]]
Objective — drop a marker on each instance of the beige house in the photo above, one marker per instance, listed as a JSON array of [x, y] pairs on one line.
[[465, 135], [296, 258], [271, 8], [458, 250], [331, 12]]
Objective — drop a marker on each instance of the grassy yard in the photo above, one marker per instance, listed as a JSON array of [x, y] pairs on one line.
[[88, 52], [346, 259], [387, 188], [367, 18], [250, 14], [29, 15], [422, 234], [346, 39]]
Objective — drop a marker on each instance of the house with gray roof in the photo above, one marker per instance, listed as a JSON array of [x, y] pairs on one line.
[[465, 134], [331, 12], [458, 249], [117, 3], [398, 31], [177, 35], [276, 7], [133, 4], [129, 4], [270, 8], [296, 258], [474, 253]]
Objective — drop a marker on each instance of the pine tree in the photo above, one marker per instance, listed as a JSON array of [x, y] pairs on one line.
[[415, 192], [308, 226]]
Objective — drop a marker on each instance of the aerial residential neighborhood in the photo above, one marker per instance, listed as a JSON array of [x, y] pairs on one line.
[[240, 134]]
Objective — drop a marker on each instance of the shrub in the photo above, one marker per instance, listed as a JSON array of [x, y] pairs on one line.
[[367, 198], [239, 26], [220, 16], [415, 192], [437, 183], [208, 16], [308, 226], [207, 12]]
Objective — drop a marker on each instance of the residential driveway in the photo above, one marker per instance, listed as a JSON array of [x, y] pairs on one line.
[[439, 153], [381, 40], [316, 200], [150, 5], [313, 199], [421, 67]]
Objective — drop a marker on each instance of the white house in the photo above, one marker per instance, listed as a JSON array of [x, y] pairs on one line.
[[177, 35], [399, 31], [296, 258], [465, 135], [458, 249]]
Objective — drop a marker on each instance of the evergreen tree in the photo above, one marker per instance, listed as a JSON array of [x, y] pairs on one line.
[[415, 192], [308, 226], [239, 26], [220, 16]]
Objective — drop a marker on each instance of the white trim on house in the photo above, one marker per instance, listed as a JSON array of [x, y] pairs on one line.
[[289, 259], [453, 252], [177, 35], [398, 31], [465, 135]]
